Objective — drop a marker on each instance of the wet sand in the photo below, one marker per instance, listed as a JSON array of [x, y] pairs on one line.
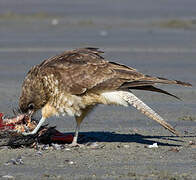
[[157, 38]]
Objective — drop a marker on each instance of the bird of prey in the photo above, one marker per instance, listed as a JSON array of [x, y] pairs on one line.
[[74, 82]]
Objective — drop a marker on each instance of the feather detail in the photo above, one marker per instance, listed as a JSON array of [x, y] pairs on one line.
[[150, 81], [145, 109]]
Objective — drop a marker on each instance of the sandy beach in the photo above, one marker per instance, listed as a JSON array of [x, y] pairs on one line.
[[157, 38]]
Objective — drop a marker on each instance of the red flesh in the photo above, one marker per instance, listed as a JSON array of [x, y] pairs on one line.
[[18, 122]]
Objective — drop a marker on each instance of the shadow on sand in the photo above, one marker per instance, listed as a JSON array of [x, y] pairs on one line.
[[85, 137]]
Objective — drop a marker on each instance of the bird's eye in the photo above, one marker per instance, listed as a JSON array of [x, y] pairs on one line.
[[31, 106]]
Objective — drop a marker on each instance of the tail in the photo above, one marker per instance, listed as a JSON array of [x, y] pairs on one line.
[[152, 88], [142, 107], [147, 82]]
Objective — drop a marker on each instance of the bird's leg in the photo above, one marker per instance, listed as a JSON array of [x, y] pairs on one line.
[[79, 120], [36, 129]]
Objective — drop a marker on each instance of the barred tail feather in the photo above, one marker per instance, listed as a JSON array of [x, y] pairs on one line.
[[145, 109]]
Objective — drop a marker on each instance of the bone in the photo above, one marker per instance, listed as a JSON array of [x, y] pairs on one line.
[[14, 120]]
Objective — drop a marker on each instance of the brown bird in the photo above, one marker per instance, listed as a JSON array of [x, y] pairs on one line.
[[74, 82]]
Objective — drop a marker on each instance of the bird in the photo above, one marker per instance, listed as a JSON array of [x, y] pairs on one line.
[[74, 82]]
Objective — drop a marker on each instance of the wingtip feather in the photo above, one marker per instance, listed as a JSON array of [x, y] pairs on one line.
[[183, 83]]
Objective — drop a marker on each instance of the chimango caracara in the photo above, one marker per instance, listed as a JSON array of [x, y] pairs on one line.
[[74, 82]]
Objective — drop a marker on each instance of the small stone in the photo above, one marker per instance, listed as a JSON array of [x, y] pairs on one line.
[[191, 143], [118, 146], [94, 145], [154, 145], [69, 161], [19, 160], [16, 161], [126, 146], [39, 153], [56, 146], [45, 147]]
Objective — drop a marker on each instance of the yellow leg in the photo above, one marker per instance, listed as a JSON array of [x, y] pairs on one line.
[[79, 120]]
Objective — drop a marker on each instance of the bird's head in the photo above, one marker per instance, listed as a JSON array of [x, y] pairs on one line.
[[33, 96], [27, 106]]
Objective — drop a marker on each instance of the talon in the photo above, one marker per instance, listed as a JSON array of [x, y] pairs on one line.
[[27, 133], [26, 128]]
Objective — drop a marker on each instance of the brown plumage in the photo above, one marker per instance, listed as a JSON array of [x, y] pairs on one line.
[[75, 81]]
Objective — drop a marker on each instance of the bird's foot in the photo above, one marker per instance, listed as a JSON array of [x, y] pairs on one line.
[[28, 133]]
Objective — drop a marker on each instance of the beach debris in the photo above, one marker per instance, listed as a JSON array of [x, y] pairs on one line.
[[57, 146], [94, 145], [15, 161], [69, 162], [126, 146], [67, 149], [154, 145], [11, 130], [192, 143], [45, 147]]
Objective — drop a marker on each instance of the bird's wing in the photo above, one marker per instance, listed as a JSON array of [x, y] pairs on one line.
[[85, 69]]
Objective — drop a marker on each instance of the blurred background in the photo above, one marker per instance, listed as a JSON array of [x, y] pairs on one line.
[[157, 37]]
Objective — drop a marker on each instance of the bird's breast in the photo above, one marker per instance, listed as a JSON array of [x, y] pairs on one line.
[[63, 104], [60, 102]]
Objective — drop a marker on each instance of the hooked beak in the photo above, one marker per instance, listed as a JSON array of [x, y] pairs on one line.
[[30, 113]]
